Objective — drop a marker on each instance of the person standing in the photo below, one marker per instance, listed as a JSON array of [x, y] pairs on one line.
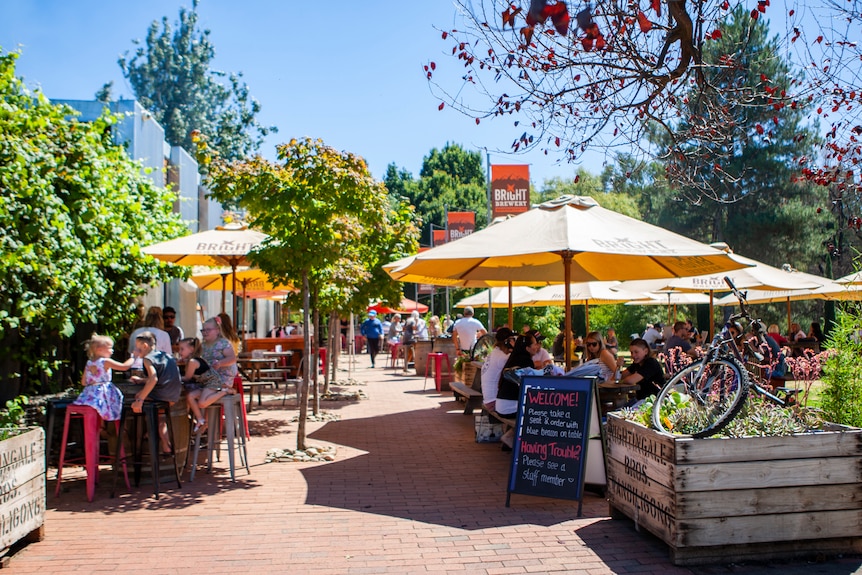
[[420, 328], [372, 330], [175, 332], [467, 330]]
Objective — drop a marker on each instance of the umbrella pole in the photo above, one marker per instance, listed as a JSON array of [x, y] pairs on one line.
[[711, 314], [233, 290], [511, 313], [567, 278], [244, 306], [223, 291], [788, 315], [587, 316]]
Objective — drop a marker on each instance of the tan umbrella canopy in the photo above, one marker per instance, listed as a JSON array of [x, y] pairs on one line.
[[582, 293], [674, 299], [755, 275], [831, 291], [255, 283], [570, 239], [499, 297], [851, 278], [227, 245]]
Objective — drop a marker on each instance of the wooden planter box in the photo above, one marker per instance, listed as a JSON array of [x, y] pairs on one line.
[[727, 500], [22, 488]]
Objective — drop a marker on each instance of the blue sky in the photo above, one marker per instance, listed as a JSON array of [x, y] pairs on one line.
[[350, 74]]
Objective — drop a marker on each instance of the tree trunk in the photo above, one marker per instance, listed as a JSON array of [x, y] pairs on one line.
[[315, 356], [302, 394]]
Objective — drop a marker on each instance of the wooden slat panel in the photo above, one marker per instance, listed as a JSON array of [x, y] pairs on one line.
[[651, 506], [763, 528], [701, 504], [826, 444], [758, 474]]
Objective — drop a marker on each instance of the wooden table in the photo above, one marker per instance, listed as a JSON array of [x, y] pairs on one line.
[[250, 368], [612, 396]]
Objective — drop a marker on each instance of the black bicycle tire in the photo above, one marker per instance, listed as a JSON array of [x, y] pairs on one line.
[[725, 416], [486, 340]]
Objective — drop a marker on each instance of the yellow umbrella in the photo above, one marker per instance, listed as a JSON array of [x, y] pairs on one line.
[[255, 283], [224, 246], [570, 239]]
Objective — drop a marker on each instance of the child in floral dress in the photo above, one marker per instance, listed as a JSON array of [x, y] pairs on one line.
[[99, 392]]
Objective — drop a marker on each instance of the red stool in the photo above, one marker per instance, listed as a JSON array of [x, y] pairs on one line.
[[237, 385], [393, 358], [322, 353], [92, 427], [438, 369]]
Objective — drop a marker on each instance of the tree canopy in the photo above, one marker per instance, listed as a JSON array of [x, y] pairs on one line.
[[330, 224], [171, 76], [452, 179], [74, 213]]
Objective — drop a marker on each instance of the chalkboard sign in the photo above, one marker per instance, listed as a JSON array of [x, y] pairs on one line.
[[552, 435]]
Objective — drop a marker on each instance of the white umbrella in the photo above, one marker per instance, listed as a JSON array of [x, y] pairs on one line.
[[581, 293], [499, 297]]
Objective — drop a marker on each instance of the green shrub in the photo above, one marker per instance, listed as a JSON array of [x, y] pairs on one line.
[[841, 399]]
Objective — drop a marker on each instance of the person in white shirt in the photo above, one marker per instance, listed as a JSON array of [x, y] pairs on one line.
[[542, 357], [467, 330], [492, 368], [420, 328], [652, 335]]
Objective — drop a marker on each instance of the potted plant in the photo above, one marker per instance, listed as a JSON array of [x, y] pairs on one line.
[[22, 476]]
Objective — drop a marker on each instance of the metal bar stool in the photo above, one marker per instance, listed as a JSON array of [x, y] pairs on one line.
[[92, 428], [438, 369], [234, 425], [150, 411]]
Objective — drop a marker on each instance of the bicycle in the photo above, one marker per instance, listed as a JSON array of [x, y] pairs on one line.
[[712, 390]]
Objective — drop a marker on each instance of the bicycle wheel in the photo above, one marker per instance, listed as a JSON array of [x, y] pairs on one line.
[[482, 347], [701, 403]]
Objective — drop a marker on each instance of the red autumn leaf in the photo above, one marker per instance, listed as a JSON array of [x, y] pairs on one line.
[[716, 35], [433, 66], [508, 18], [440, 107], [587, 43], [557, 141], [477, 121], [725, 5], [527, 33], [819, 39], [577, 77], [656, 5], [775, 120], [759, 129], [600, 42], [644, 22], [791, 13], [445, 35], [754, 14], [761, 6], [536, 13], [577, 178], [560, 18]]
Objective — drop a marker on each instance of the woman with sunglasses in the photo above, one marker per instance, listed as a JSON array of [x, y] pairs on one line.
[[596, 354]]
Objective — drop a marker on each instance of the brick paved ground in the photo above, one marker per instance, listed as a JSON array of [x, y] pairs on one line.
[[410, 492]]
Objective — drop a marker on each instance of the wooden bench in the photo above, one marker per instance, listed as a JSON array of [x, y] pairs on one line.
[[505, 420], [471, 397]]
